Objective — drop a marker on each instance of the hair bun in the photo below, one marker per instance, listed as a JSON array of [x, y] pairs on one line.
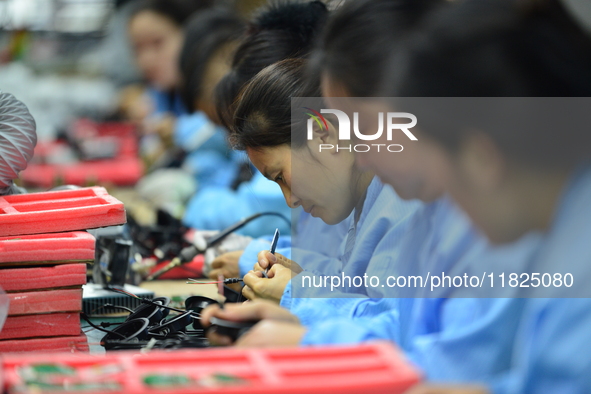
[[302, 19]]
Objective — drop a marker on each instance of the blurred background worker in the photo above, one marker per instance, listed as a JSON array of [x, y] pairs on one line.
[[154, 64]]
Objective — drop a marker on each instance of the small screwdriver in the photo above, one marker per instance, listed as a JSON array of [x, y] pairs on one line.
[[273, 247]]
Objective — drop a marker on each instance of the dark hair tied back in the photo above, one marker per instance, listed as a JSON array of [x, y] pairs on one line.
[[263, 117], [282, 30], [300, 19]]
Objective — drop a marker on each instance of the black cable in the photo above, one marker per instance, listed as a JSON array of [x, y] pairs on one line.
[[148, 301], [231, 281], [238, 225], [83, 315], [107, 324], [117, 307], [279, 215], [188, 254]]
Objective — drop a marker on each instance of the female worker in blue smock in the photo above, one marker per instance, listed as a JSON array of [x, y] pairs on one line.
[[390, 21], [156, 34], [551, 351], [229, 189], [278, 31], [209, 36], [176, 126], [331, 185]]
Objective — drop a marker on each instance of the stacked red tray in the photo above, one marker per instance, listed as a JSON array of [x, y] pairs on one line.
[[371, 368], [124, 171], [123, 168], [66, 210], [43, 256]]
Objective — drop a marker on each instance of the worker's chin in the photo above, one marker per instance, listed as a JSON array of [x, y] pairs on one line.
[[326, 217], [314, 211]]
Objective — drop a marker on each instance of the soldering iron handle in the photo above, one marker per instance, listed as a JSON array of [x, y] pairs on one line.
[[188, 254], [174, 263]]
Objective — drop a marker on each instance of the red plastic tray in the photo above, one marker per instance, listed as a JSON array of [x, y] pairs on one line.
[[35, 302], [57, 344], [38, 278], [78, 246], [59, 211], [86, 128], [34, 326], [124, 133], [370, 368], [120, 171], [126, 168]]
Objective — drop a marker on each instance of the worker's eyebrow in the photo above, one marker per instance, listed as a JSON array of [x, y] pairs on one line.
[[266, 173]]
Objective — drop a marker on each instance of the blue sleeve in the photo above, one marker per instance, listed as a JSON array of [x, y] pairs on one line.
[[208, 158], [311, 262], [218, 208], [211, 169], [311, 310], [263, 195], [163, 103], [285, 301], [193, 132], [552, 352], [215, 208], [344, 331], [472, 340], [159, 100]]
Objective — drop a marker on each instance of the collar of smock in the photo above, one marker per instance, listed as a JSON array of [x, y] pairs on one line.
[[371, 195], [578, 185]]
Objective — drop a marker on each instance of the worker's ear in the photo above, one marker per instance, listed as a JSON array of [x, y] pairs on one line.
[[323, 137], [481, 162]]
